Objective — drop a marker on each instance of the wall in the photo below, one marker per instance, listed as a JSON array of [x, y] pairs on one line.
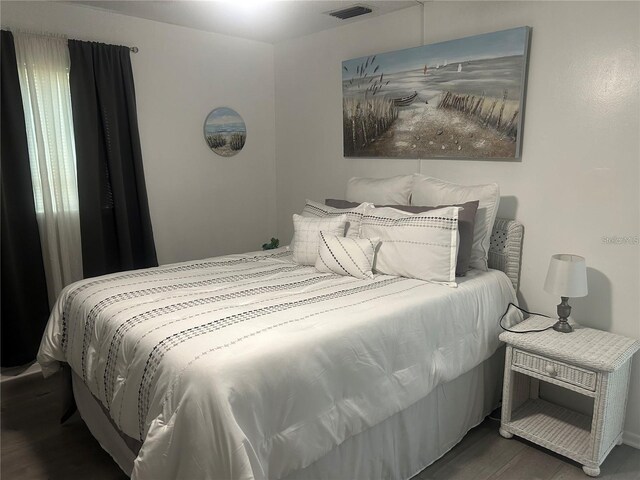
[[309, 110], [579, 176], [201, 204]]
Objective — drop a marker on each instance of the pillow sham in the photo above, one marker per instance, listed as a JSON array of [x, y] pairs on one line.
[[382, 191], [346, 256], [306, 233], [422, 245], [354, 215], [466, 224], [433, 191]]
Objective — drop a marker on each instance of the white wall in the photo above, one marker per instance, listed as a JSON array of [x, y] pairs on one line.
[[201, 204], [579, 176], [309, 110]]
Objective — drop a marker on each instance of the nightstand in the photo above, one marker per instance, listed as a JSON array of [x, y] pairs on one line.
[[591, 362]]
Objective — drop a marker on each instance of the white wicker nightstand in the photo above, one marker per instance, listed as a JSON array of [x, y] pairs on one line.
[[591, 362]]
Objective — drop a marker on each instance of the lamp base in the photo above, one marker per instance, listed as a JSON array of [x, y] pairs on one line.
[[563, 326], [564, 310]]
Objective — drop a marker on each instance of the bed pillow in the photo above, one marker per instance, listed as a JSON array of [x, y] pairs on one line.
[[332, 202], [307, 235], [381, 191], [346, 256], [354, 215], [432, 191], [421, 245], [466, 223]]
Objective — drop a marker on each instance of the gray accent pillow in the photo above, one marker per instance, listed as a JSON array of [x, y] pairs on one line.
[[466, 225], [330, 202]]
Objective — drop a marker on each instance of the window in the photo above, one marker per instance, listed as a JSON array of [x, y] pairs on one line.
[[43, 69]]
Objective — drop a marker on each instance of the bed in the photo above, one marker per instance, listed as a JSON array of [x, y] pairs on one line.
[[251, 366]]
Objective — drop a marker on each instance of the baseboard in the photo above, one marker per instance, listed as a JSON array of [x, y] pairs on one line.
[[631, 439]]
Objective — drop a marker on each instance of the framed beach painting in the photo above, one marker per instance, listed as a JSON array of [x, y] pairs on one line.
[[460, 99], [225, 131]]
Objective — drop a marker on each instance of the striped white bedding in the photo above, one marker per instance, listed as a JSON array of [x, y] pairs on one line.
[[251, 366]]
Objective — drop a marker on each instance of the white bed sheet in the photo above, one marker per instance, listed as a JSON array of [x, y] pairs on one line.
[[249, 366]]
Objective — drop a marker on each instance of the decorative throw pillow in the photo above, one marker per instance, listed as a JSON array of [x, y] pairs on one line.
[[346, 256], [422, 245], [466, 224], [432, 191], [381, 191], [354, 215], [307, 235]]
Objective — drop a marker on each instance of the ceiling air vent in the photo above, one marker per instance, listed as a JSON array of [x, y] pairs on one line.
[[350, 12]]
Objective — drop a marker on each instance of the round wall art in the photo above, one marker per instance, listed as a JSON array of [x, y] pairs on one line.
[[225, 131]]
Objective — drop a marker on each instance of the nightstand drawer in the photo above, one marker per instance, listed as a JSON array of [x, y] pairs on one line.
[[555, 369]]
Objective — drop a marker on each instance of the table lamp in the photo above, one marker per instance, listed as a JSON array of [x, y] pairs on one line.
[[567, 277]]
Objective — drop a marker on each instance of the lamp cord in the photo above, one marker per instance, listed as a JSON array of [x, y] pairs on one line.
[[528, 313]]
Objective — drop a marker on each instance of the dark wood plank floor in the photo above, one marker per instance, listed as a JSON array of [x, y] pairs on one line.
[[35, 446]]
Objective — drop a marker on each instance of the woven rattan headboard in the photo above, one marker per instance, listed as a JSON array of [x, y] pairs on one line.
[[505, 250]]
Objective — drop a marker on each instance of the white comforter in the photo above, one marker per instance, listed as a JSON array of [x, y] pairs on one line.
[[250, 366]]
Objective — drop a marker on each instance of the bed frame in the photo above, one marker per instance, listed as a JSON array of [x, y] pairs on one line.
[[400, 446], [505, 250]]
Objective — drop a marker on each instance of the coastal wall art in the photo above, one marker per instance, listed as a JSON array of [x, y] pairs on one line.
[[225, 131], [460, 99]]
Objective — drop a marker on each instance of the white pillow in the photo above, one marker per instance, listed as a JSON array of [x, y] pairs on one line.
[[307, 236], [432, 191], [354, 215], [422, 245], [381, 191], [346, 256]]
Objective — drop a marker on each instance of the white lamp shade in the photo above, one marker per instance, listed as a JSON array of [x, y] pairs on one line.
[[567, 276]]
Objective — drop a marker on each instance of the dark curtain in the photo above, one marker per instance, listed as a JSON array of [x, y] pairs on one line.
[[25, 305], [114, 212]]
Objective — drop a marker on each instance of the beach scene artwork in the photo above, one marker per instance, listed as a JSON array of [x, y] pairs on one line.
[[225, 131], [460, 99]]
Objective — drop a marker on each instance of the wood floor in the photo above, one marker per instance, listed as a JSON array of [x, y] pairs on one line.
[[35, 446]]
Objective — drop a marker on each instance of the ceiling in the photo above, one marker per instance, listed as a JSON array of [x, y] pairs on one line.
[[265, 21]]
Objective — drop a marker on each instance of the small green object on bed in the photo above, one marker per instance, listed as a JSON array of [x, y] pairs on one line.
[[275, 243]]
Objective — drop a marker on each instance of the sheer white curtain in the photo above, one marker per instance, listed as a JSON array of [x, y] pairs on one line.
[[43, 68]]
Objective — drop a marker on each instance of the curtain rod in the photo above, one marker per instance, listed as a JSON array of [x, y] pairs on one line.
[[58, 35]]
